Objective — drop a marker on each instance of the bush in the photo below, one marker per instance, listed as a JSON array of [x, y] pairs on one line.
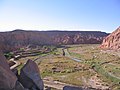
[[9, 55]]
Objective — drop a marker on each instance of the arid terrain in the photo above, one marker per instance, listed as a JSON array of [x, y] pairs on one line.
[[84, 65], [59, 44], [10, 41], [61, 67]]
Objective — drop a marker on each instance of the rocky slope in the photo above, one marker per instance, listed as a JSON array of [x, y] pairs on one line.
[[7, 78], [112, 41], [29, 78], [20, 38]]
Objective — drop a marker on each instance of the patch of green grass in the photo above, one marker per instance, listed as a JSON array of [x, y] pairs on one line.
[[100, 60], [69, 71], [109, 76], [76, 78], [76, 55], [9, 55], [19, 68]]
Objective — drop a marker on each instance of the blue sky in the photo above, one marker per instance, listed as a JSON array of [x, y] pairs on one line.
[[100, 15]]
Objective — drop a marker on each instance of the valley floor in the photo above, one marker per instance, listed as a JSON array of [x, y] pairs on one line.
[[83, 65]]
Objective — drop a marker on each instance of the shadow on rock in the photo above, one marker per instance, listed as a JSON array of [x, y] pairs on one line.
[[30, 76], [72, 88]]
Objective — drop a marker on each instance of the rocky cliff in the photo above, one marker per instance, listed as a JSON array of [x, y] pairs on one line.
[[20, 38], [112, 41]]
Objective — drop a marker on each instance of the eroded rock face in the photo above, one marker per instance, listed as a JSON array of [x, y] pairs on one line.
[[7, 78], [30, 76], [10, 41], [112, 41]]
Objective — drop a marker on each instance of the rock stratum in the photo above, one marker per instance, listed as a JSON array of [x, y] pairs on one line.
[[112, 41], [13, 40]]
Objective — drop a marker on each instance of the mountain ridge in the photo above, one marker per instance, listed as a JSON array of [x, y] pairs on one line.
[[18, 38]]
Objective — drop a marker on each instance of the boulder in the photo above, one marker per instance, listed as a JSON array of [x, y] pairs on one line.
[[19, 86], [15, 71], [30, 76], [7, 77], [72, 88]]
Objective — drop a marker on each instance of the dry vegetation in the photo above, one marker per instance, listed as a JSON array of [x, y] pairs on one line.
[[101, 65]]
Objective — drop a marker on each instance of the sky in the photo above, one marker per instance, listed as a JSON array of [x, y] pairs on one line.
[[83, 15]]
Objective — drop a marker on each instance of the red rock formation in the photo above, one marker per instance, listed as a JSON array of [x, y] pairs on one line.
[[20, 38], [112, 41]]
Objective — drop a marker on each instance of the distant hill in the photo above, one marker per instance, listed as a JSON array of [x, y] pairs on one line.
[[112, 41], [20, 38]]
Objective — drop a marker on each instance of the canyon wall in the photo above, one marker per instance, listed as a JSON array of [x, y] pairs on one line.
[[19, 38], [112, 41]]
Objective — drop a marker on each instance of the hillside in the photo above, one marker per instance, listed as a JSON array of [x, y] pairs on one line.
[[112, 41], [20, 38]]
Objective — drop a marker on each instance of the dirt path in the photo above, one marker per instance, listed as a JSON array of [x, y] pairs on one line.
[[17, 63], [55, 84], [95, 82], [67, 54]]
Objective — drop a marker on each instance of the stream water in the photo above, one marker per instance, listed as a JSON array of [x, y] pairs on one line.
[[75, 59]]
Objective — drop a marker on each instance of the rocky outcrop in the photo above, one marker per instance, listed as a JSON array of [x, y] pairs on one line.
[[112, 41], [7, 78], [30, 76], [72, 88], [10, 41]]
